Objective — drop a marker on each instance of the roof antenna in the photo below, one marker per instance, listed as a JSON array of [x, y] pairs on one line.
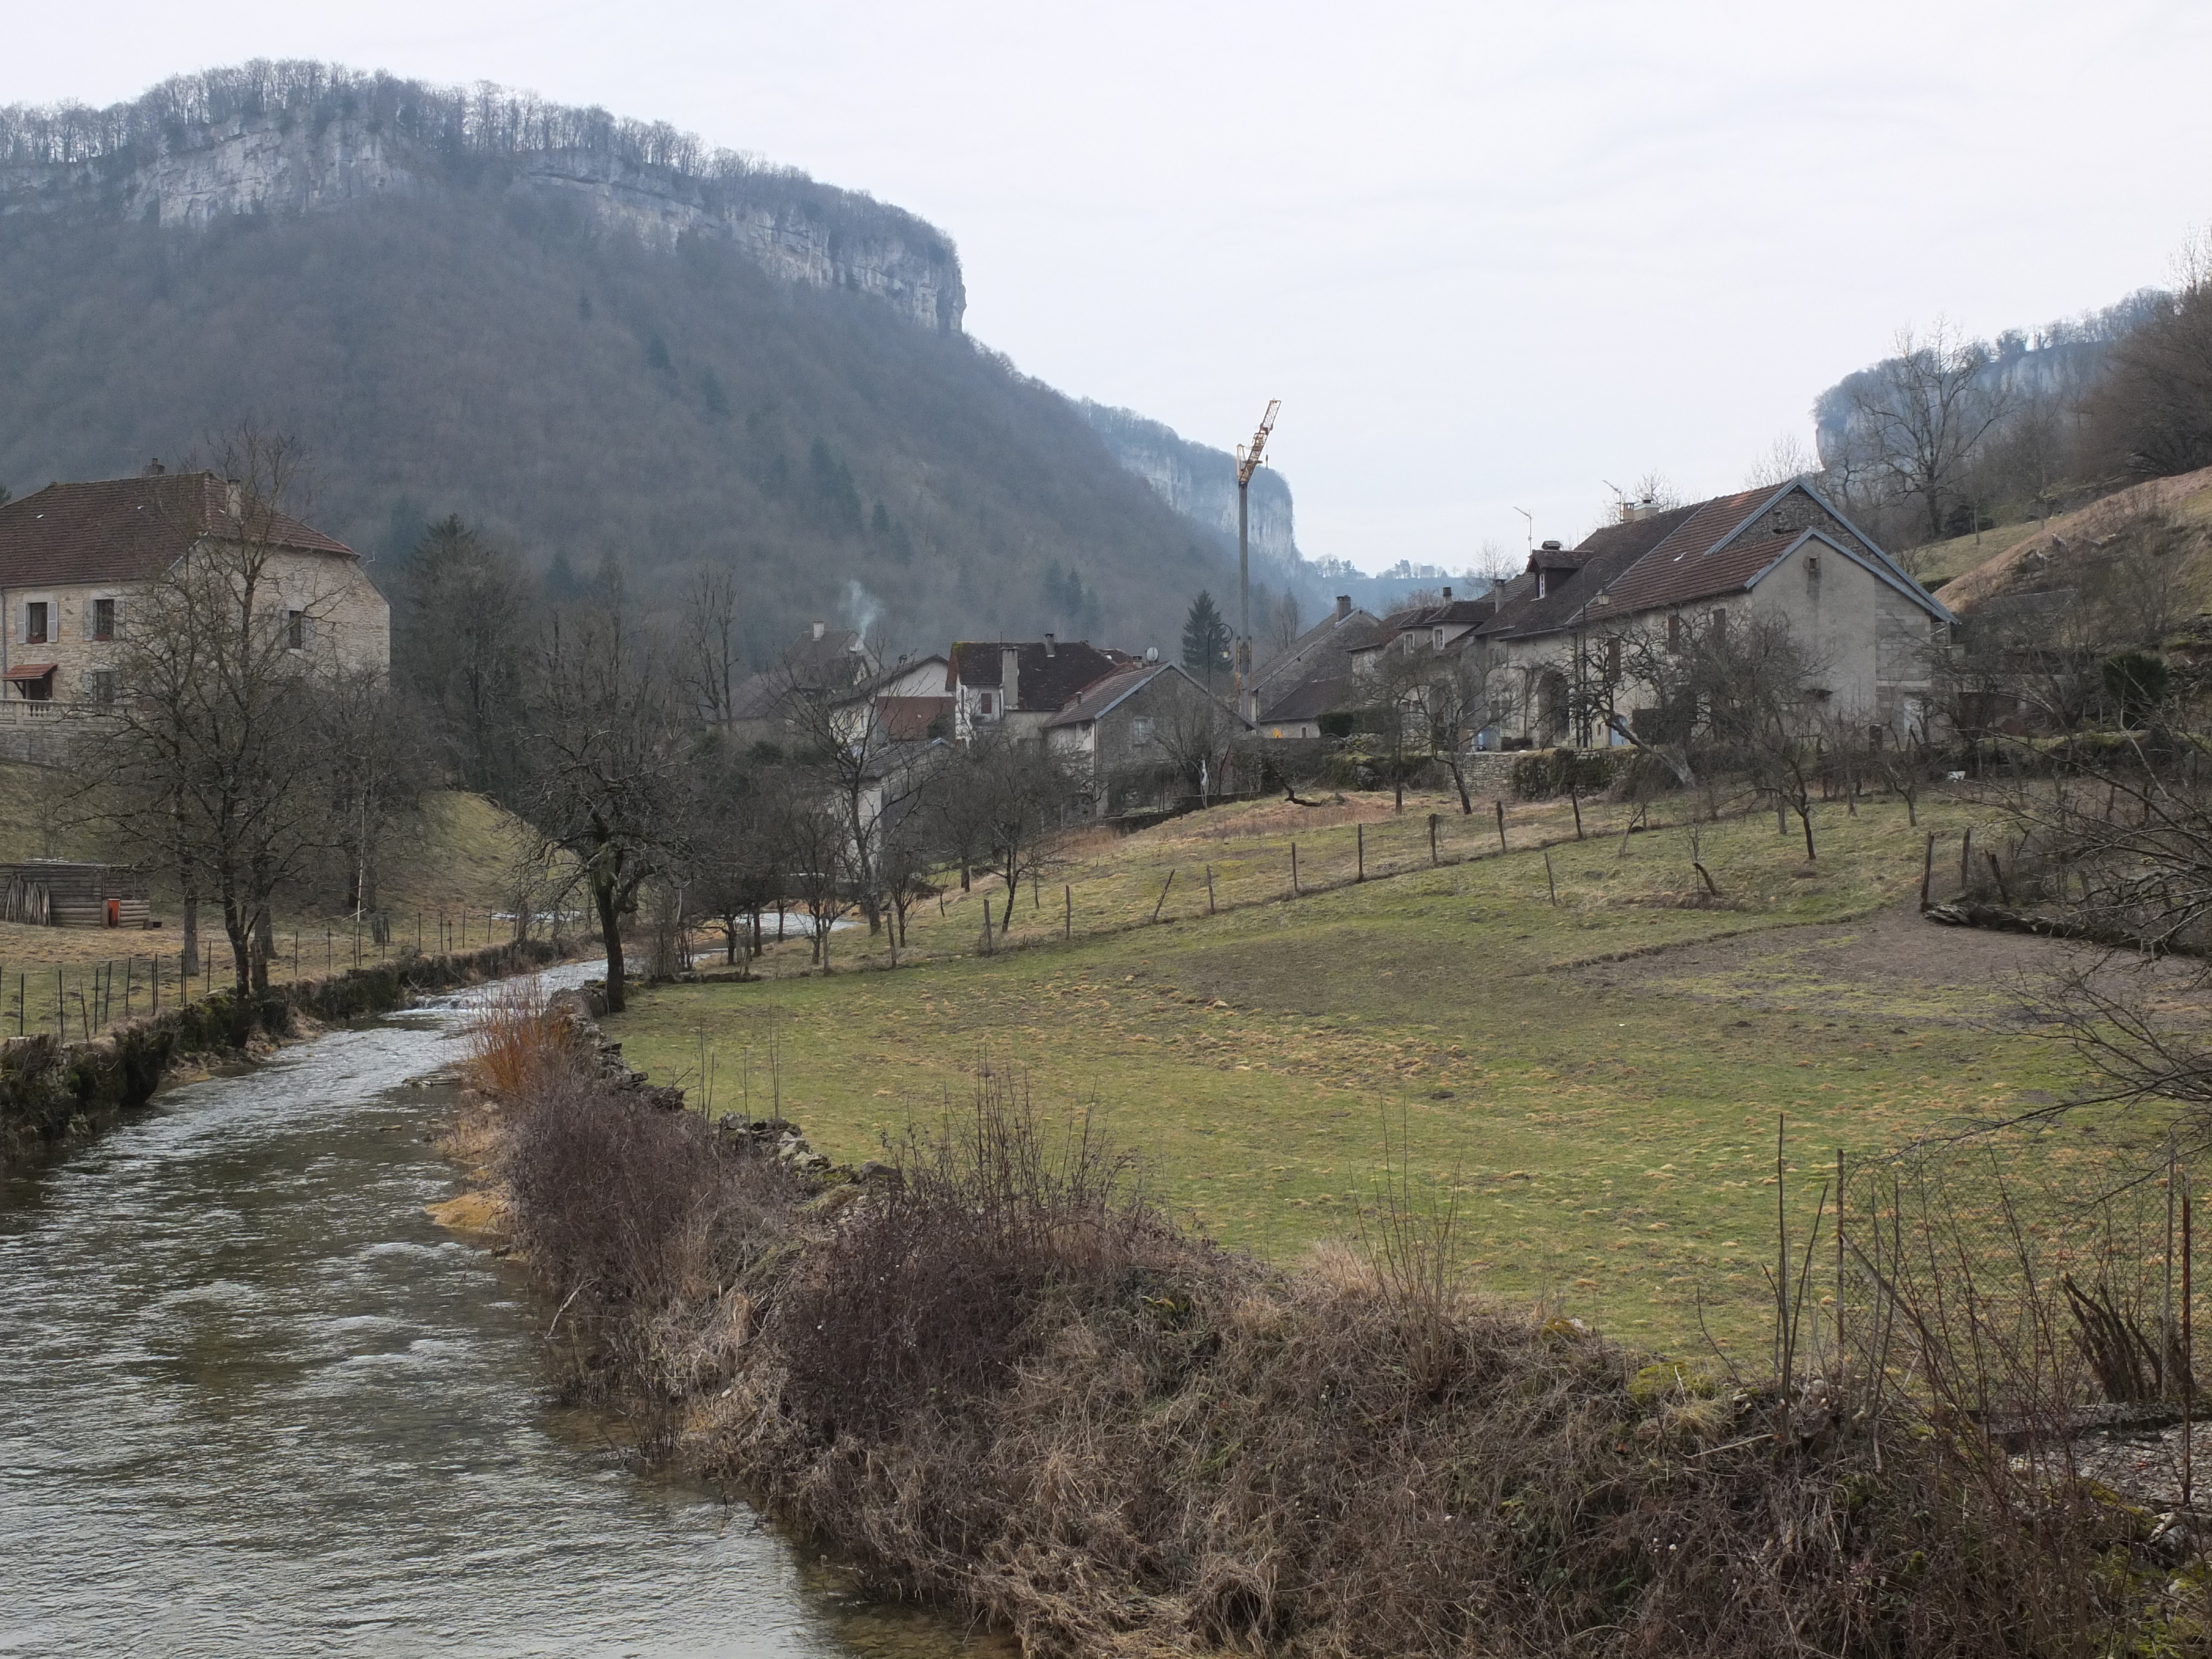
[[1524, 512]]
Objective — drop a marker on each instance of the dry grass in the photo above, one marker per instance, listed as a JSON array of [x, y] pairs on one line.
[[1001, 1382]]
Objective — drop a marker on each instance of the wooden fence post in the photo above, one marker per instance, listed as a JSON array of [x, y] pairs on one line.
[[1359, 839], [1550, 885], [1067, 921], [1927, 870], [1500, 805], [1209, 889], [1433, 841], [1966, 857], [1163, 898], [1294, 870]]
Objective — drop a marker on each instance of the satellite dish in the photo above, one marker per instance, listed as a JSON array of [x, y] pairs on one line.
[[1151, 653]]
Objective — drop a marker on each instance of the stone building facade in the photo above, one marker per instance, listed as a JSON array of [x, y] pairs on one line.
[[76, 560]]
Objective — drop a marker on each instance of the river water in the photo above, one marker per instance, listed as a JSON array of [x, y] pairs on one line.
[[252, 1401]]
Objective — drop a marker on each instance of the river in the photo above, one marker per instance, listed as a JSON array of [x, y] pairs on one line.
[[253, 1401]]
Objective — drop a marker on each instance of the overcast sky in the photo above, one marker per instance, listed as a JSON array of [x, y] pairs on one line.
[[1489, 256]]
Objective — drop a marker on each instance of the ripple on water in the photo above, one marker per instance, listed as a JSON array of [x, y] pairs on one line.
[[259, 1404]]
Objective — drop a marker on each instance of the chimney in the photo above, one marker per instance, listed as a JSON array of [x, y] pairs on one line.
[[1343, 606], [153, 469], [818, 630], [1010, 677], [1047, 645], [1447, 596]]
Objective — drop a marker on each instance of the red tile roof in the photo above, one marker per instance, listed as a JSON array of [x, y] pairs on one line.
[[122, 530], [1654, 583]]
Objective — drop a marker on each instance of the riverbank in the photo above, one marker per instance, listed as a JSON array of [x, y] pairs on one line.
[[54, 1095], [995, 1378]]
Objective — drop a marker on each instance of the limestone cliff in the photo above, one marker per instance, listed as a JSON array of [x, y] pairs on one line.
[[1200, 483], [299, 138]]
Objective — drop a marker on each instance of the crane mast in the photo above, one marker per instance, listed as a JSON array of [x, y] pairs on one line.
[[1247, 462]]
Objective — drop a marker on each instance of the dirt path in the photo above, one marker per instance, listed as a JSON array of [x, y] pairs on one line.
[[1891, 965]]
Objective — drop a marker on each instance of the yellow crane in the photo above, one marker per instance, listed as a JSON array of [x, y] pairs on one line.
[[1247, 462]]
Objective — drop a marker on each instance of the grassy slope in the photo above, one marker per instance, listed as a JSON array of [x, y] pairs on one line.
[[1614, 1143], [455, 863]]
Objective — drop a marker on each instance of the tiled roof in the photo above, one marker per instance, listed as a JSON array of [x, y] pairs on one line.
[[1657, 581], [124, 529], [1100, 696], [1312, 699], [1317, 651], [1047, 681]]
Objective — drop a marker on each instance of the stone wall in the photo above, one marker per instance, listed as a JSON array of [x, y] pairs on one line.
[[54, 1094]]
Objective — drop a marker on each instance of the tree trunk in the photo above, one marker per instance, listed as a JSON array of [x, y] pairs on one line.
[[1013, 886], [603, 896], [1459, 782], [265, 947], [1805, 816], [190, 949]]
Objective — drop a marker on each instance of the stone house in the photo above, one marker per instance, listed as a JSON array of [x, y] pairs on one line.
[[76, 558], [1777, 554], [1017, 687], [1147, 735], [1312, 677]]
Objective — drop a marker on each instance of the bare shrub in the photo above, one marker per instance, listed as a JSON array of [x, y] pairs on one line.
[[515, 1040], [638, 1220], [934, 1288]]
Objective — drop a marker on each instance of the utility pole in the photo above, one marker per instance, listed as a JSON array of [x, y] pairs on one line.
[[1247, 462]]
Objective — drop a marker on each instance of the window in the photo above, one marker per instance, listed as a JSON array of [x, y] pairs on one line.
[[983, 704], [103, 619], [1813, 566], [295, 630], [1673, 632], [34, 622], [99, 687], [1437, 642], [1718, 620], [1612, 658], [1140, 732]]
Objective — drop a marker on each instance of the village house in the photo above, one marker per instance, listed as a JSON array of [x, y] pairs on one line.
[[75, 560], [1446, 626], [1778, 553], [1016, 687], [773, 706], [1312, 678], [1147, 735]]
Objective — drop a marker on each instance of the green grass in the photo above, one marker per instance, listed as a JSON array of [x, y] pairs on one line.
[[1613, 1143]]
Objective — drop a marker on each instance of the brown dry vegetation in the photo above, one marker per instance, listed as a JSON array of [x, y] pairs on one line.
[[997, 1379]]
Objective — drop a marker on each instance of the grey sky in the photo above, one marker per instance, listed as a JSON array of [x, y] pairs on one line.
[[1487, 255]]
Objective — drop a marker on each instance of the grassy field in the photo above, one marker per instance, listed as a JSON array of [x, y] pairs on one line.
[[1598, 1077], [447, 874]]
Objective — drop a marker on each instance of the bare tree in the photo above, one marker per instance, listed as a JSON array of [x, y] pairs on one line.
[[215, 765], [1022, 792], [1784, 460], [1446, 696], [376, 768], [1922, 413], [604, 764], [465, 611], [709, 662]]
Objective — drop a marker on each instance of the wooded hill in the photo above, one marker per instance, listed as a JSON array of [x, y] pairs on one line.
[[583, 335]]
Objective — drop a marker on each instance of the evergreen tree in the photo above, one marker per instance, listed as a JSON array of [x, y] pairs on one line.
[[1205, 639]]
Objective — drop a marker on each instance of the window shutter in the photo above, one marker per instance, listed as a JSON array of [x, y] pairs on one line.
[[118, 616], [90, 608]]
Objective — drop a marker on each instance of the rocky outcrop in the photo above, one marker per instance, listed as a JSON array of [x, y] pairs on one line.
[[1200, 483], [318, 143]]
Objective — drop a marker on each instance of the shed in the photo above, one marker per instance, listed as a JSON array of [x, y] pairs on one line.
[[56, 893]]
